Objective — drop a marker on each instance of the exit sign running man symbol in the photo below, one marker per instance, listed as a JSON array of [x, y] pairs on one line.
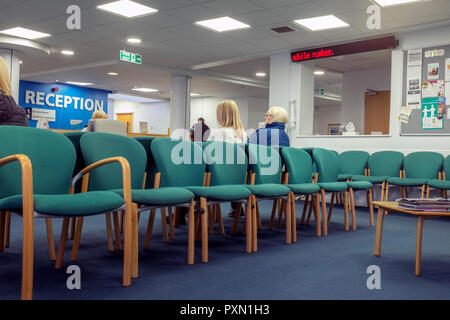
[[130, 57]]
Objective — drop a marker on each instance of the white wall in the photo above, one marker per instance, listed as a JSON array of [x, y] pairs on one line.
[[157, 114], [325, 115], [354, 85]]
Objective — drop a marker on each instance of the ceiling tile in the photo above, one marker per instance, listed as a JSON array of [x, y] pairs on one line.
[[232, 7], [278, 3], [302, 10]]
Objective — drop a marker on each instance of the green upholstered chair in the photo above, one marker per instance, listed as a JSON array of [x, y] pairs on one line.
[[328, 165], [227, 166], [352, 163], [298, 167], [265, 183], [441, 184], [36, 169], [96, 146], [382, 165], [418, 168], [181, 164]]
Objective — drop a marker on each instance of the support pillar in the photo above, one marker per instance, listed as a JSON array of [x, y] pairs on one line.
[[180, 103]]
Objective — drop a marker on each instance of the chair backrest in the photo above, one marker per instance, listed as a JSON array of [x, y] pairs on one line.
[[265, 162], [386, 163], [327, 163], [353, 162], [447, 168], [75, 137], [107, 126], [423, 165], [179, 162], [298, 164], [150, 169], [97, 146], [52, 158], [227, 163]]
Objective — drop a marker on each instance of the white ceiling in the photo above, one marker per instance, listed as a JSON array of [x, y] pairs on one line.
[[172, 44]]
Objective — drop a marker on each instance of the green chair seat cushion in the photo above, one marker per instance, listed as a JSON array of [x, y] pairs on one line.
[[159, 196], [360, 185], [221, 193], [439, 184], [344, 176], [78, 204], [333, 186], [269, 190], [407, 182], [304, 188], [373, 179]]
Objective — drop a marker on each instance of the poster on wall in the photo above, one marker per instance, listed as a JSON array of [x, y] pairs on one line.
[[62, 106], [447, 69], [430, 109], [433, 71], [414, 79], [431, 89]]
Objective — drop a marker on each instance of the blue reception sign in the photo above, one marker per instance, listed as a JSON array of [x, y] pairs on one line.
[[63, 106]]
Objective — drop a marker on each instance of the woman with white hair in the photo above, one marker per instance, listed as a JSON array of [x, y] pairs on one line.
[[10, 113], [273, 134]]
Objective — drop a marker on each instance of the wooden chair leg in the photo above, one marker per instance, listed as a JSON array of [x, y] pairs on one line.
[[73, 222], [387, 192], [428, 191], [211, 218], [293, 219], [237, 215], [77, 238], [272, 216], [281, 208], [315, 200], [62, 243], [148, 236], [352, 200], [324, 213], [382, 191], [7, 228], [204, 218], [171, 223], [117, 231], [370, 197], [330, 211], [305, 206], [135, 242], [164, 225], [250, 225], [309, 213], [220, 220], [109, 232], [191, 233], [2, 230], [128, 250], [406, 192], [346, 210], [252, 206], [51, 242], [258, 217]]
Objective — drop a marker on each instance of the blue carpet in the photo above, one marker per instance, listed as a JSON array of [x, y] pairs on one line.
[[332, 267]]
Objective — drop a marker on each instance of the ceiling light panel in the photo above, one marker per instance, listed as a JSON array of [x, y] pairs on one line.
[[387, 3], [322, 23], [222, 24], [145, 90], [25, 33], [127, 8]]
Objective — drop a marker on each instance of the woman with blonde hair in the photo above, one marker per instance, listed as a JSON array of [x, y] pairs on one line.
[[10, 113], [273, 134], [229, 120]]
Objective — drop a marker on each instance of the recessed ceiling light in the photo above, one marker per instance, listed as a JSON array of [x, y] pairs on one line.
[[25, 33], [127, 8], [260, 74], [20, 61], [80, 83], [222, 24], [195, 94], [319, 72], [113, 73], [67, 52], [322, 23], [387, 3], [134, 40], [145, 90]]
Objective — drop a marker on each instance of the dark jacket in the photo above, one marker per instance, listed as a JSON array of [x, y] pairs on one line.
[[199, 132], [274, 130], [10, 113]]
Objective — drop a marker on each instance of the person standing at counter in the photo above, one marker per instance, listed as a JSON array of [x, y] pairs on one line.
[[273, 134], [10, 113]]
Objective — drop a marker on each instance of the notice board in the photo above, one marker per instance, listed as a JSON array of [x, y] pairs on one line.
[[426, 91]]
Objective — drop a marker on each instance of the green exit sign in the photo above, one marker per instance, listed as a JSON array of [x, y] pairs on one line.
[[319, 91], [130, 57]]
